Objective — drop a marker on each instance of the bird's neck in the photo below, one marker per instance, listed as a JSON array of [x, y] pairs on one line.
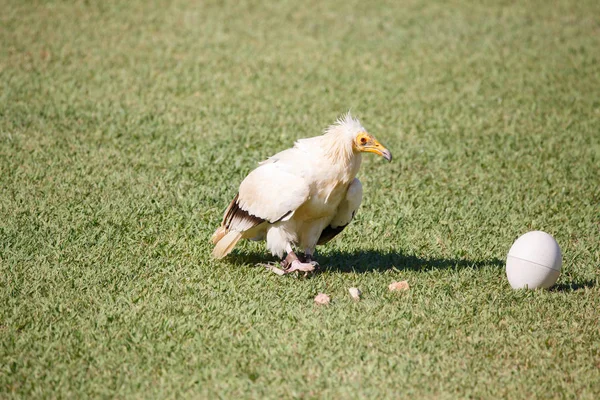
[[342, 156], [338, 150]]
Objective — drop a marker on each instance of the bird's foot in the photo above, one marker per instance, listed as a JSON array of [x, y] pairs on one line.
[[292, 264], [306, 267], [308, 259]]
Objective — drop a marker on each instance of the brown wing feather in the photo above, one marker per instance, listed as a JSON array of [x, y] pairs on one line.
[[329, 233], [236, 218]]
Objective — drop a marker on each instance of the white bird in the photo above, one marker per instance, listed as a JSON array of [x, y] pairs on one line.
[[302, 196]]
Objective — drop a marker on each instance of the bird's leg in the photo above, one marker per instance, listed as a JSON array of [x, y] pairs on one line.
[[309, 258], [297, 265], [289, 259], [291, 263]]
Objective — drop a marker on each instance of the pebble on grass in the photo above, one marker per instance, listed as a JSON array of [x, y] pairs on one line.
[[322, 299], [398, 286], [354, 293]]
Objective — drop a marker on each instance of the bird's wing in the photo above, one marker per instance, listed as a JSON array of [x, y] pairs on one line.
[[345, 212], [285, 155], [272, 192]]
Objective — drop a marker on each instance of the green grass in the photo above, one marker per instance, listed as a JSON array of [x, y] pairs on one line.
[[125, 128]]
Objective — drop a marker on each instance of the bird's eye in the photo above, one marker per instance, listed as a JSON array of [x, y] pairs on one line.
[[363, 140]]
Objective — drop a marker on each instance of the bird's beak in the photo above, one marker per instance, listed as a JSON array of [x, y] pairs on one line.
[[373, 146]]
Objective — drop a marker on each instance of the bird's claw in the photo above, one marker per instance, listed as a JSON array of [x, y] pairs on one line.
[[295, 266], [305, 267]]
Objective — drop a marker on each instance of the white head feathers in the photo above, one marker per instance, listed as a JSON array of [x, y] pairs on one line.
[[345, 125], [337, 142], [339, 138]]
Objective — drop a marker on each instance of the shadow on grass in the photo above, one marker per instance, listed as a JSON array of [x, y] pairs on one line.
[[362, 261], [371, 260], [572, 286]]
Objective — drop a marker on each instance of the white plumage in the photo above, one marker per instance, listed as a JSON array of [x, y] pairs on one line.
[[302, 196]]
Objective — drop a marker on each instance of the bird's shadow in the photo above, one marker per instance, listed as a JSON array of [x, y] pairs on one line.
[[375, 261], [363, 261]]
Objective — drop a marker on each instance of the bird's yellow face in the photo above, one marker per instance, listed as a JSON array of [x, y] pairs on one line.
[[365, 142]]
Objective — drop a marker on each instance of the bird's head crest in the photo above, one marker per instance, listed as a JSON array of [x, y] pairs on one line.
[[346, 125], [348, 129]]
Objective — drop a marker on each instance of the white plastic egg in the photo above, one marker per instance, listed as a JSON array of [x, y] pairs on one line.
[[534, 261]]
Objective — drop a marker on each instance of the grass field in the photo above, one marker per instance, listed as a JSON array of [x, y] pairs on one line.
[[126, 126]]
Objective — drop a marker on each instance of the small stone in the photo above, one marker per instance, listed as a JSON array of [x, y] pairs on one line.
[[354, 293], [399, 286], [322, 299]]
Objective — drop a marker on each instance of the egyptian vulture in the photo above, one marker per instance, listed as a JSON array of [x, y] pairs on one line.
[[300, 197]]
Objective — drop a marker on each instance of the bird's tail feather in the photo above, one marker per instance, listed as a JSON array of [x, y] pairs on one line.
[[226, 244], [218, 235]]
